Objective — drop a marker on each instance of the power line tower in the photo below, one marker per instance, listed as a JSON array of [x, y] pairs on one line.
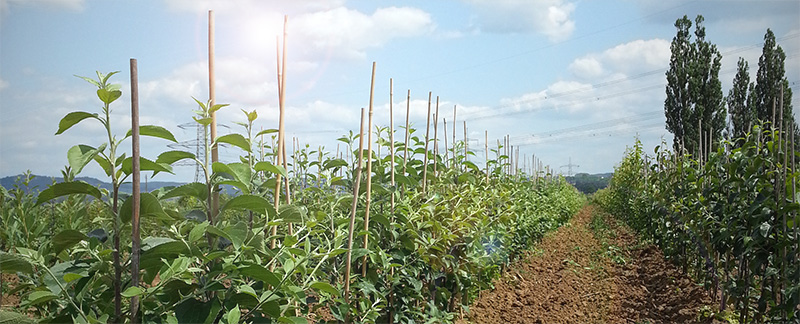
[[570, 166], [197, 145]]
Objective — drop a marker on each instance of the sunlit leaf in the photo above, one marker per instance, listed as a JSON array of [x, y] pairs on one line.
[[71, 119], [67, 188]]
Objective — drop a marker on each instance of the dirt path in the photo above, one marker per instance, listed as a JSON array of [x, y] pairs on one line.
[[591, 271]]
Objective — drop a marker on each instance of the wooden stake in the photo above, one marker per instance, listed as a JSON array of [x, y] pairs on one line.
[[369, 172], [356, 184], [454, 136], [136, 198], [392, 183], [466, 147], [281, 127], [446, 154], [486, 151], [427, 140], [436, 139], [405, 146], [211, 101]]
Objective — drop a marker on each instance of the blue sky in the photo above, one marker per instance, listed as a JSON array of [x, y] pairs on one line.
[[562, 78]]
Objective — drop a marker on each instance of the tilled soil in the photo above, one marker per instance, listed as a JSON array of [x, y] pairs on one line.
[[578, 276]]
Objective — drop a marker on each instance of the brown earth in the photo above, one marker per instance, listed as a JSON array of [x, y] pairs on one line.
[[9, 282], [577, 275]]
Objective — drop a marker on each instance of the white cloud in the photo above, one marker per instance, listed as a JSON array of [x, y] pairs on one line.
[[3, 84], [75, 5], [627, 59], [551, 18], [349, 33], [316, 29], [586, 67]]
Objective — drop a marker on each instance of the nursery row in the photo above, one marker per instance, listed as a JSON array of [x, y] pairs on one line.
[[404, 237], [728, 215]]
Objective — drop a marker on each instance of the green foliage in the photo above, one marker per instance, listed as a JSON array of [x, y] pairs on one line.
[[731, 222], [428, 255], [694, 91]]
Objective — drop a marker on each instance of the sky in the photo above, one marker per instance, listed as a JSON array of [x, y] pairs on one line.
[[566, 80]]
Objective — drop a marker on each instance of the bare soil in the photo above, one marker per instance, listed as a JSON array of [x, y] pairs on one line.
[[9, 301], [577, 275]]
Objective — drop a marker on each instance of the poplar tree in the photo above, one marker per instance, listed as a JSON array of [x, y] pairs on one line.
[[769, 79], [694, 91], [740, 102]]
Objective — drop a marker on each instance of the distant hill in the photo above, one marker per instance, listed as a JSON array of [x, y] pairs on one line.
[[39, 183], [589, 183]]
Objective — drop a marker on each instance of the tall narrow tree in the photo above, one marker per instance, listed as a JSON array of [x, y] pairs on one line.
[[739, 103], [769, 78], [677, 103], [694, 91]]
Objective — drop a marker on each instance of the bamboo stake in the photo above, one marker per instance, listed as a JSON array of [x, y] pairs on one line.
[[435, 139], [486, 152], [288, 193], [212, 99], [454, 136], [281, 127], [405, 146], [446, 154], [466, 148], [135, 235], [356, 184], [427, 140], [369, 171], [391, 170]]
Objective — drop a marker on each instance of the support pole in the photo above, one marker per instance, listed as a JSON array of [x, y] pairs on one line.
[[136, 195]]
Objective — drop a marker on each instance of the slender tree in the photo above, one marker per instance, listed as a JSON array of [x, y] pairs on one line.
[[694, 91], [739, 102], [677, 103], [769, 79], [705, 86]]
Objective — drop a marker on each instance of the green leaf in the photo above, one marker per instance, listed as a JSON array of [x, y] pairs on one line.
[[149, 206], [261, 273], [203, 121], [67, 188], [293, 320], [12, 263], [233, 171], [41, 296], [10, 317], [66, 239], [237, 233], [170, 157], [80, 155], [250, 202], [197, 231], [70, 277], [193, 311], [266, 131], [269, 167], [216, 107], [236, 140], [167, 250], [291, 213], [73, 118], [132, 291], [360, 252], [145, 165], [154, 131], [233, 315], [326, 287], [238, 184], [194, 189], [108, 96]]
